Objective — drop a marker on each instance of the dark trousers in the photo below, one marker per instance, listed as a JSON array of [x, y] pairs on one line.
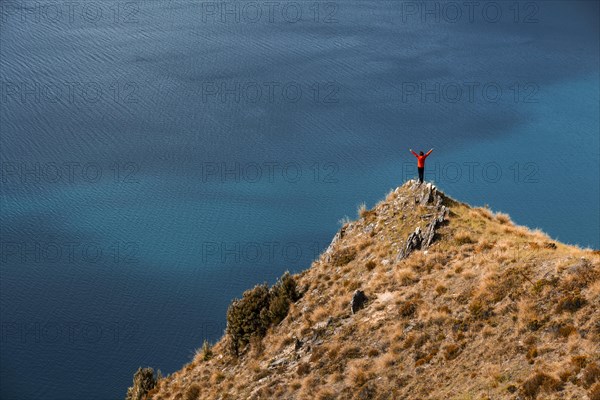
[[421, 172]]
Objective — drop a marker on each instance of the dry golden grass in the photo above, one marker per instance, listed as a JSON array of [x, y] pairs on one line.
[[463, 237], [594, 393], [385, 361], [325, 394], [497, 309], [527, 315], [405, 277], [503, 218], [358, 373], [540, 382]]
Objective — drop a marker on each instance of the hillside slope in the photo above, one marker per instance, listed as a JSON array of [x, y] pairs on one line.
[[461, 304]]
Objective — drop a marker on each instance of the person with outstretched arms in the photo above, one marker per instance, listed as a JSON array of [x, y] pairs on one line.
[[421, 162]]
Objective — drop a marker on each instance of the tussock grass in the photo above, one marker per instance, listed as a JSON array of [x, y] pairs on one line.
[[499, 310]]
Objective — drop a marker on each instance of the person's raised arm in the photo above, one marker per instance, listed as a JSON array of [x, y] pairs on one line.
[[415, 154], [429, 152]]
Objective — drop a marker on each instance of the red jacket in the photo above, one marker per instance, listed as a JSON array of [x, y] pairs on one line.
[[421, 159]]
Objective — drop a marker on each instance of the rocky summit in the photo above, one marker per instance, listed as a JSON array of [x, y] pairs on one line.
[[421, 297]]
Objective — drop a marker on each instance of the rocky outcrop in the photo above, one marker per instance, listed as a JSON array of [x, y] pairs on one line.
[[435, 222], [338, 236], [425, 195], [413, 242], [358, 301]]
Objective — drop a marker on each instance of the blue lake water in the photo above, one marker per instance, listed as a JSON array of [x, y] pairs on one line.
[[160, 157]]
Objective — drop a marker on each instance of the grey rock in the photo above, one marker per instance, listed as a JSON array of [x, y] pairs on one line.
[[425, 196], [429, 235], [358, 301], [421, 240], [324, 324], [277, 363], [425, 193], [412, 243], [338, 236], [583, 267]]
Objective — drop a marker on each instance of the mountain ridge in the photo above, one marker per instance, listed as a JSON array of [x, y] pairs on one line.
[[421, 297]]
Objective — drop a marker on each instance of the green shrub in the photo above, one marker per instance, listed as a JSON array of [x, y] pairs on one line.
[[287, 285], [143, 382], [206, 351], [258, 309], [283, 293], [248, 316]]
